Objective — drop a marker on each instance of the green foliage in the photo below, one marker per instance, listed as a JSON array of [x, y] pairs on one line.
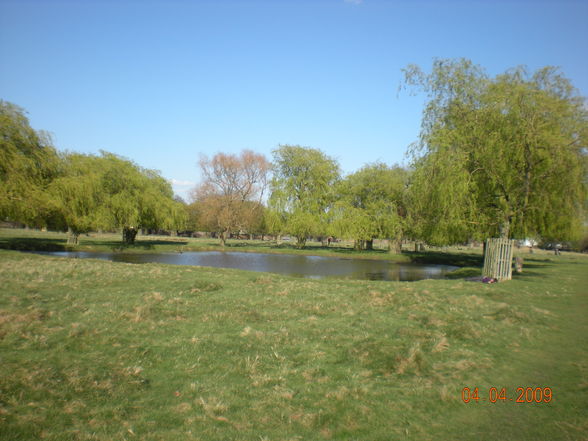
[[193, 217], [108, 192], [371, 204], [79, 195], [28, 162], [302, 190], [80, 192], [439, 210], [302, 225], [496, 155]]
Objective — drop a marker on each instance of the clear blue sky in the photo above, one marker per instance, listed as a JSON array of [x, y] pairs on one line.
[[161, 81]]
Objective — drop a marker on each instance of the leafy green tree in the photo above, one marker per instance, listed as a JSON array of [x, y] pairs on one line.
[[498, 156], [371, 204], [275, 215], [79, 196], [109, 192], [302, 190], [28, 163], [138, 198], [193, 218]]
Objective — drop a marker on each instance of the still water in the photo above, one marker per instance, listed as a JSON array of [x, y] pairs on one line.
[[315, 267]]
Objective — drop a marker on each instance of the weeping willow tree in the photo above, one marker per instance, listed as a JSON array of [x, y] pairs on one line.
[[28, 163], [138, 198], [302, 191], [79, 196], [371, 205], [108, 192], [498, 156]]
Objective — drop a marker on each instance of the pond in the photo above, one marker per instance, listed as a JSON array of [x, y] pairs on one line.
[[314, 267]]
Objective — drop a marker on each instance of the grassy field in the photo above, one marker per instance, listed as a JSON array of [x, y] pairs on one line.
[[94, 350]]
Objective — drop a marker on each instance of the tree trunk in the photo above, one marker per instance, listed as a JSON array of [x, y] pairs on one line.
[[128, 235], [278, 239], [369, 244], [300, 242], [72, 237], [505, 228], [395, 246], [223, 238]]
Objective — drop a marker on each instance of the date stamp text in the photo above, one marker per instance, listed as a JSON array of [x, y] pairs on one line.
[[537, 395]]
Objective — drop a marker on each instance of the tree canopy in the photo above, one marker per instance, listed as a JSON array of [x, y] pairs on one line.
[[302, 190], [109, 192], [371, 204], [498, 156], [28, 163]]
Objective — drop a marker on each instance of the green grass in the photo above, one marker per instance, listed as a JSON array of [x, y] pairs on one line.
[[94, 350]]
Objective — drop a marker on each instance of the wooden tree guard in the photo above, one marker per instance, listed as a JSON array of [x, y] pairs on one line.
[[498, 260]]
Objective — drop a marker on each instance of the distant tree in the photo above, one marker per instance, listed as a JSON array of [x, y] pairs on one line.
[[193, 221], [109, 192], [371, 204], [275, 215], [302, 191], [498, 156], [28, 163], [231, 192]]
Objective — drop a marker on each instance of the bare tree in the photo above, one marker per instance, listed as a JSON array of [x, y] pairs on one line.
[[231, 192]]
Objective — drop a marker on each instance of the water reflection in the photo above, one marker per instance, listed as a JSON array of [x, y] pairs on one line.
[[316, 267]]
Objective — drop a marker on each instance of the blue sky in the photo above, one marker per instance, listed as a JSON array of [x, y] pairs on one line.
[[161, 81]]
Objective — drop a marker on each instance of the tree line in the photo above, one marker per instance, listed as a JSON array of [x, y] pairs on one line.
[[43, 188], [502, 156], [497, 156]]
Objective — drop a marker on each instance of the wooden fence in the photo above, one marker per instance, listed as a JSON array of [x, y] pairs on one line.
[[498, 260]]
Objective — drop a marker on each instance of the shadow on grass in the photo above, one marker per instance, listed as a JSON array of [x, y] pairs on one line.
[[440, 258], [33, 244], [160, 242], [464, 273], [527, 275], [334, 249], [351, 251], [246, 245], [537, 265], [47, 244], [147, 245]]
